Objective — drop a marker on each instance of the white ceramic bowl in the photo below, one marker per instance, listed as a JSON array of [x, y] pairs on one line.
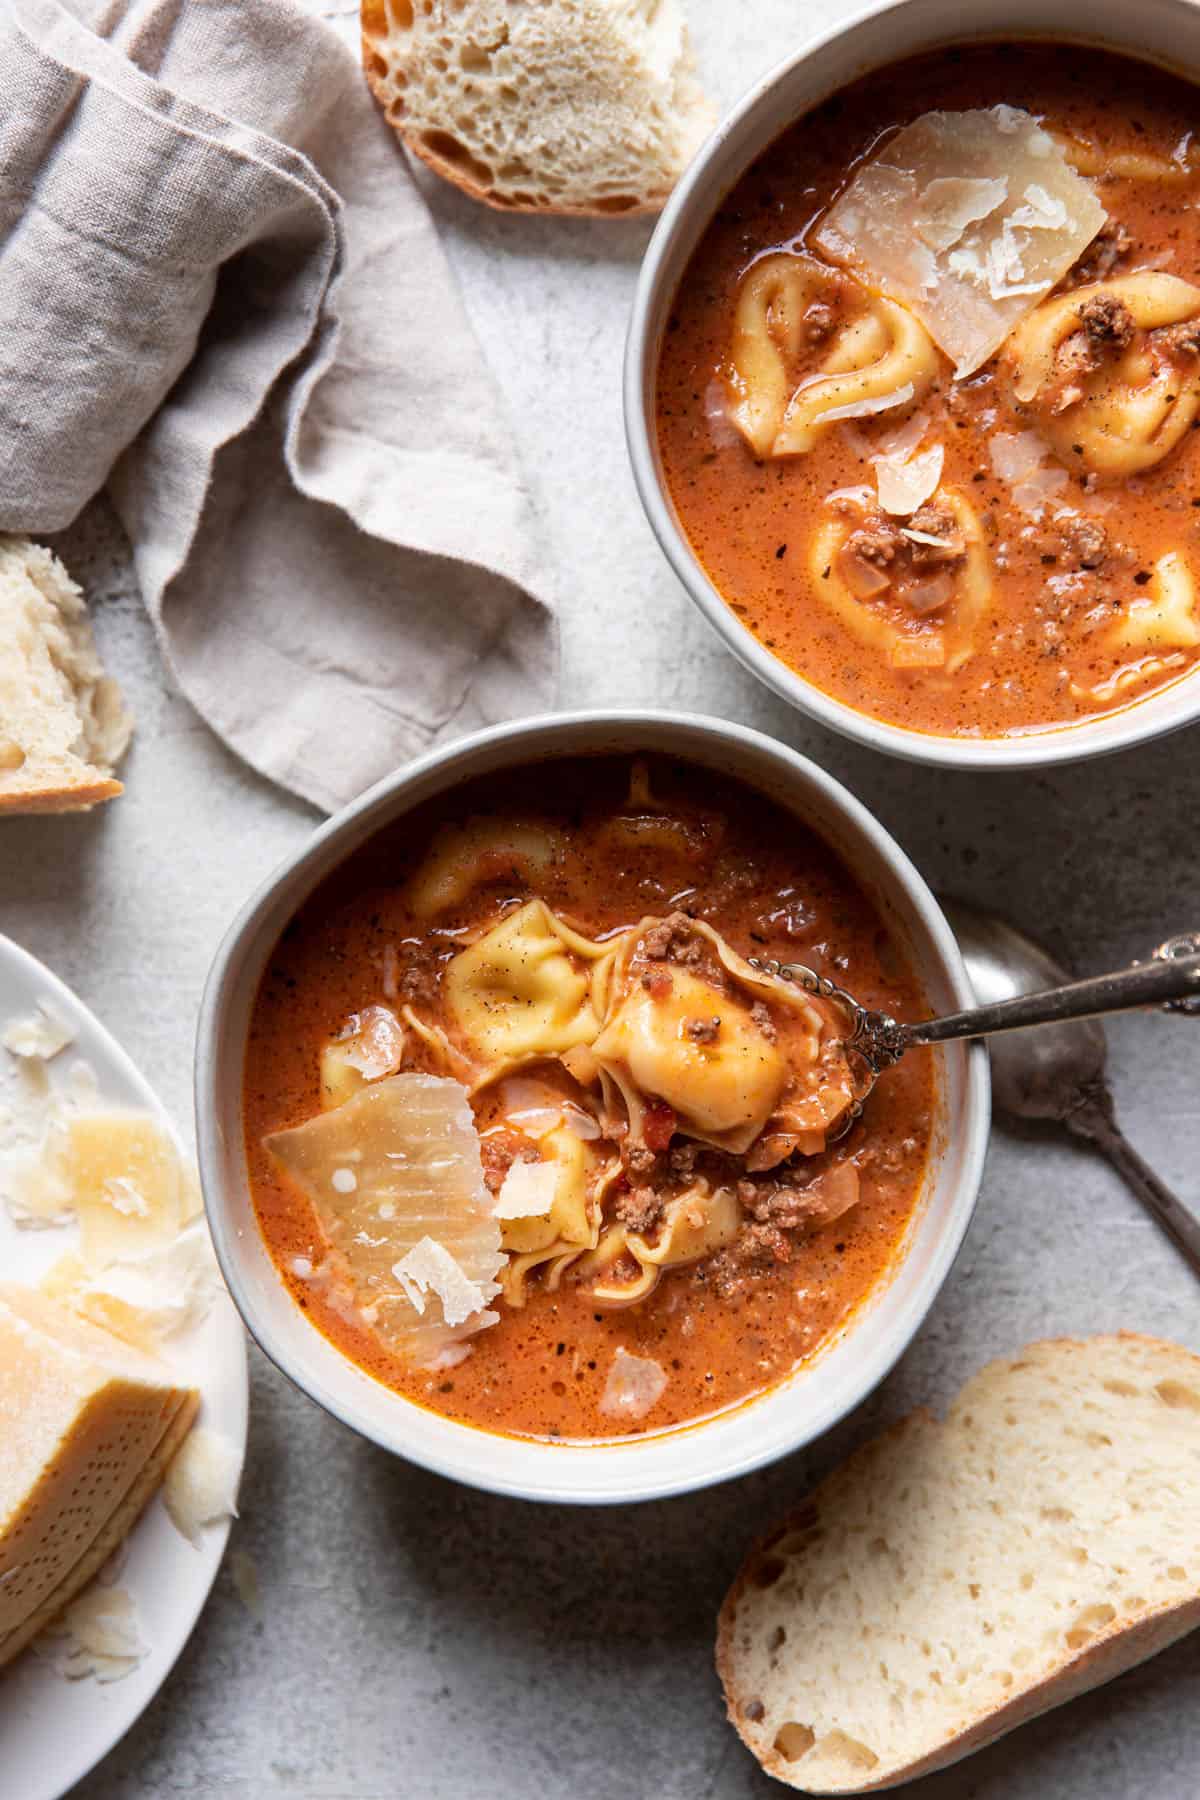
[[1164, 31], [793, 1413]]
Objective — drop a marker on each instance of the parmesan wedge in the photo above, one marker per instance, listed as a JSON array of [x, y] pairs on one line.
[[87, 1428], [411, 1143], [968, 219]]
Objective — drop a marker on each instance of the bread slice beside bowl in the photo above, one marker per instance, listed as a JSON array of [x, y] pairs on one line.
[[952, 1580], [584, 107], [63, 724]]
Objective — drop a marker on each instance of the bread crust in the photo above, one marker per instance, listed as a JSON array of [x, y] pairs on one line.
[[75, 797], [1115, 1649], [393, 112]]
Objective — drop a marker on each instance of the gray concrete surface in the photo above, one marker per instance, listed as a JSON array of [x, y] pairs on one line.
[[415, 1639]]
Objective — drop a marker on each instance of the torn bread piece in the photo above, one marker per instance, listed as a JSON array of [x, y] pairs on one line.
[[63, 724], [953, 1580], [574, 106]]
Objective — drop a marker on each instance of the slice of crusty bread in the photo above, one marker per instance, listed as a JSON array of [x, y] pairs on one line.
[[567, 106], [951, 1581], [63, 727]]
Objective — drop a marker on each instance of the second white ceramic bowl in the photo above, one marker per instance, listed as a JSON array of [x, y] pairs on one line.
[[1163, 31], [791, 1414]]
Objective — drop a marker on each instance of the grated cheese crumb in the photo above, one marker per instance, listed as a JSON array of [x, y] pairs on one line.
[[429, 1267], [528, 1191]]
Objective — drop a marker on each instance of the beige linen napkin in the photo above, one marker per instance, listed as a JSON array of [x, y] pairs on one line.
[[223, 296]]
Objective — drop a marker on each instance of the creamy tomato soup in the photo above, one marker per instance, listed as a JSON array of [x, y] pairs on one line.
[[927, 400], [532, 1138]]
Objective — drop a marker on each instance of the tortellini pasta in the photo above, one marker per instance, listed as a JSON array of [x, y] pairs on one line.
[[1090, 159], [726, 1064], [697, 1223], [728, 1085], [462, 857], [784, 386], [369, 1047], [523, 990], [916, 618], [1111, 370], [1157, 628]]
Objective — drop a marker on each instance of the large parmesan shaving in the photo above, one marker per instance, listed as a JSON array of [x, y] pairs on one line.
[[412, 1144], [202, 1482], [968, 219], [528, 1191], [635, 1385], [120, 1175]]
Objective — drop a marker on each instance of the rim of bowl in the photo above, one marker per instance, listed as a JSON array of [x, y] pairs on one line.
[[382, 804], [686, 215]]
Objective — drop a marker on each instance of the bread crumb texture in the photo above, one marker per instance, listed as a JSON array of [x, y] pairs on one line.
[[63, 726], [952, 1580], [569, 106]]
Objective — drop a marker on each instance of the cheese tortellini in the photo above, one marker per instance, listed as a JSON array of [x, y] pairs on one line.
[[1112, 370], [523, 990], [903, 598], [808, 341], [1154, 631], [696, 1224], [464, 856]]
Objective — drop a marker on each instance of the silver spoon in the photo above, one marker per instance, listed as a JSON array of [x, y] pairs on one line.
[[1057, 1073]]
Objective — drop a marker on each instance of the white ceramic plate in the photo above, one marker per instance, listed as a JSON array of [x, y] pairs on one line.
[[53, 1731]]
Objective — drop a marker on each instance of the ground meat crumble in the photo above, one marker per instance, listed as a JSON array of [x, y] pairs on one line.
[[673, 939]]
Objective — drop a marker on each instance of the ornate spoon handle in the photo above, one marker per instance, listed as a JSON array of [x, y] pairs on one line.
[[1171, 978]]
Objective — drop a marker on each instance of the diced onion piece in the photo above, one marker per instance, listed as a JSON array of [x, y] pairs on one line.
[[635, 1385], [527, 1192], [926, 596], [919, 653], [864, 579], [968, 219], [1016, 454], [906, 483]]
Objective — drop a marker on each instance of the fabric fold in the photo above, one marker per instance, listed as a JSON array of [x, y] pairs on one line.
[[225, 299]]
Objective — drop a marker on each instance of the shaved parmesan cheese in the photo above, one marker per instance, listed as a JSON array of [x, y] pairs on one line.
[[1017, 460], [40, 1033], [412, 1144], [538, 1121], [967, 218], [905, 483], [146, 1298], [952, 202], [202, 1482], [429, 1267], [98, 1635], [528, 1191], [862, 409], [635, 1385], [1016, 454]]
